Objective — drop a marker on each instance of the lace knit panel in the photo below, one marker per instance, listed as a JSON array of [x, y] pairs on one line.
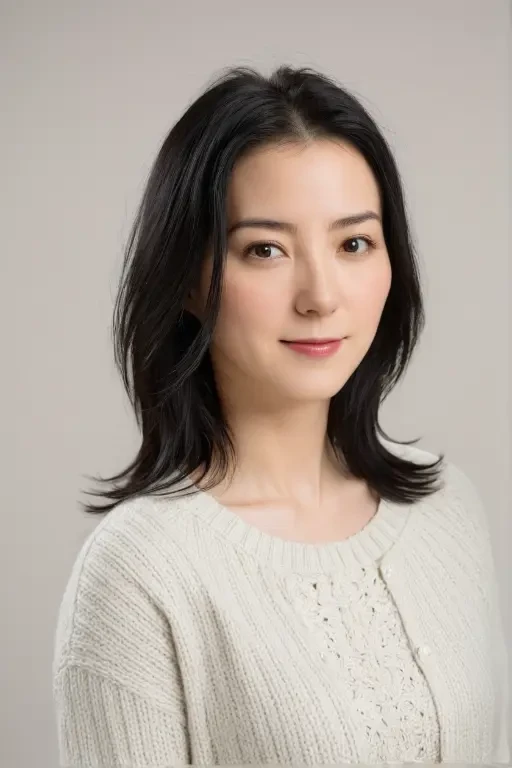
[[361, 637]]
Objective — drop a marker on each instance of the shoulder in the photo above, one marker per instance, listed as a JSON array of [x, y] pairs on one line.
[[136, 535], [128, 569], [447, 536], [126, 542], [458, 498]]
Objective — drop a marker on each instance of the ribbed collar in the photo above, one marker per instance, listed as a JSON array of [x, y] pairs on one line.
[[363, 548]]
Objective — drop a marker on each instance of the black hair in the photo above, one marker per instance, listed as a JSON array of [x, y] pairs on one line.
[[162, 350]]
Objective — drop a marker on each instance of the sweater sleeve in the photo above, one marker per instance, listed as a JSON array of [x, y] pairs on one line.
[[101, 722], [116, 681], [473, 503]]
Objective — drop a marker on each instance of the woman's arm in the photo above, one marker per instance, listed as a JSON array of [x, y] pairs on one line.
[[103, 723], [472, 502], [116, 682]]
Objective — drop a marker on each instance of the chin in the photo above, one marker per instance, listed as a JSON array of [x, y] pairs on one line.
[[313, 390]]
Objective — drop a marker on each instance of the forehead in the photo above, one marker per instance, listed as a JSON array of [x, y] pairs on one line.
[[319, 176]]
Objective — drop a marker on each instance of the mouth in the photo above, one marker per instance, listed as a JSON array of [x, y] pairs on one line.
[[315, 347], [311, 341]]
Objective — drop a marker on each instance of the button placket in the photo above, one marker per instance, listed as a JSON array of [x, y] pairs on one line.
[[421, 651]]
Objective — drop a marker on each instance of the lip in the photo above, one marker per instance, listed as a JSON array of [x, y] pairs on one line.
[[312, 341], [315, 347]]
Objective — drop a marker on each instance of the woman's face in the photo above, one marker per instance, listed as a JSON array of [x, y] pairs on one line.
[[303, 277]]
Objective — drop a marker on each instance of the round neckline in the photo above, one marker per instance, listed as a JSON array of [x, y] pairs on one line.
[[361, 549]]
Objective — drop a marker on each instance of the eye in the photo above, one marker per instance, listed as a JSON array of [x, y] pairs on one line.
[[260, 251], [368, 240]]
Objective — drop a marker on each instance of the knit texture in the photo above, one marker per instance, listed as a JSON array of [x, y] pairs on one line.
[[187, 636], [361, 638]]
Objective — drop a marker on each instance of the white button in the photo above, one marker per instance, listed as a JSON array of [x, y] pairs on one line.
[[425, 650]]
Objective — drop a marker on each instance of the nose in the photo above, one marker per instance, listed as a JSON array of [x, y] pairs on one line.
[[317, 289]]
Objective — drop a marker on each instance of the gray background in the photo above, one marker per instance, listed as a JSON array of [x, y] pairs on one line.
[[89, 90]]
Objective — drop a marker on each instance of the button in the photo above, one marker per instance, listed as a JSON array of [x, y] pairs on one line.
[[425, 650]]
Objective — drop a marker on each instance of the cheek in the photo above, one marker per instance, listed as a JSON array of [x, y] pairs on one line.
[[370, 297], [249, 306]]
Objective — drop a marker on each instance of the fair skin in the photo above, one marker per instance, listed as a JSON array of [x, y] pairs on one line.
[[307, 280]]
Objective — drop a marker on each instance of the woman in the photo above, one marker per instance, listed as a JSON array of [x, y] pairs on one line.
[[276, 581]]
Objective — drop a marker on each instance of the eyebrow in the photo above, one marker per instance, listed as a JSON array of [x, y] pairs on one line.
[[284, 226]]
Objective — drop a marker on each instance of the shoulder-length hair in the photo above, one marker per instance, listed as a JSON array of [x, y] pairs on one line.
[[162, 351]]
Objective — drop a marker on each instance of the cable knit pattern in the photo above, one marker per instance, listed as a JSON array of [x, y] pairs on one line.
[[365, 645], [187, 636]]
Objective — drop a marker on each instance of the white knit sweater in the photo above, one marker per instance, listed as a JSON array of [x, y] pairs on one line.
[[188, 636]]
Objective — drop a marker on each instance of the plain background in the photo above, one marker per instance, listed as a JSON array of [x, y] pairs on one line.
[[89, 91]]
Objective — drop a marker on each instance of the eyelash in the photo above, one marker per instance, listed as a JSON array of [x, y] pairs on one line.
[[247, 252]]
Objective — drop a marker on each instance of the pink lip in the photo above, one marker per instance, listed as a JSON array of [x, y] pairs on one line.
[[312, 341], [315, 348]]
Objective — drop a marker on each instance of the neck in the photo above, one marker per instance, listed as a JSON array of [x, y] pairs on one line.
[[282, 456]]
